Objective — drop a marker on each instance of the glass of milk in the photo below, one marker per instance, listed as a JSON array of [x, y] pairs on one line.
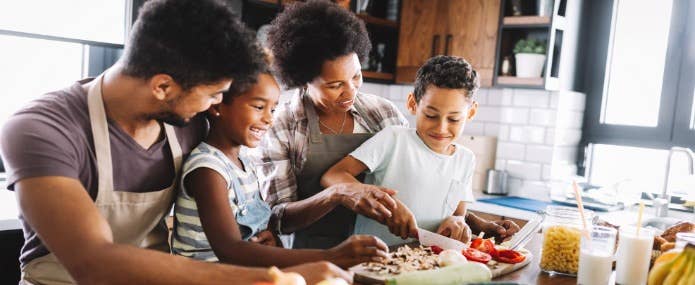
[[596, 256], [633, 255]]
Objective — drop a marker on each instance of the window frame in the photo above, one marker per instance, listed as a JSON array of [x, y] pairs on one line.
[[675, 105]]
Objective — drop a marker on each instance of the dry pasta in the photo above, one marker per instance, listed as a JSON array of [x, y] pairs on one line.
[[560, 251]]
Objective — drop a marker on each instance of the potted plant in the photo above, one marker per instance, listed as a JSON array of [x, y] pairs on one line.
[[530, 57]]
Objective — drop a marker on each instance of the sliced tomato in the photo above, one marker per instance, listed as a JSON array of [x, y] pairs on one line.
[[484, 245], [509, 256], [436, 249], [473, 254]]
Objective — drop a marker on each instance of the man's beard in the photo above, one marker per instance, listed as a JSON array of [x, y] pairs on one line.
[[171, 119]]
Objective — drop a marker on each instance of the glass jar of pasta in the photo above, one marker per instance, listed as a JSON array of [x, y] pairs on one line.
[[561, 236]]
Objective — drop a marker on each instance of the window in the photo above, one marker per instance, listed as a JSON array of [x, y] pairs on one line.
[[47, 45], [639, 80], [90, 20], [633, 79]]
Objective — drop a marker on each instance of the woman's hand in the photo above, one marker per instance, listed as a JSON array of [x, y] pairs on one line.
[[265, 238], [357, 249], [402, 223], [456, 228], [318, 271], [368, 200]]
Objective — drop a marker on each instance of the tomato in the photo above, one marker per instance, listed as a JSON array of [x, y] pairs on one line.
[[509, 256], [484, 245], [436, 249], [473, 254]]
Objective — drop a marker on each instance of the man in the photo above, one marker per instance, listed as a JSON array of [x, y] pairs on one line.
[[93, 165]]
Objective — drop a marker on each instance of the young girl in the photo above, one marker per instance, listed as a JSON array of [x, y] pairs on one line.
[[219, 213]]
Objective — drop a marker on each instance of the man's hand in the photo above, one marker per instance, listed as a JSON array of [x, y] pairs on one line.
[[318, 271], [358, 249], [502, 230], [265, 238], [402, 223], [368, 200], [456, 228]]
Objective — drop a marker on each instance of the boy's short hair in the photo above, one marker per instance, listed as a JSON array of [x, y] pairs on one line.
[[308, 34], [194, 41], [445, 71]]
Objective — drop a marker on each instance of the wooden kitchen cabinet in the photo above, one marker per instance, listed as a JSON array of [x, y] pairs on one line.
[[420, 37], [466, 28]]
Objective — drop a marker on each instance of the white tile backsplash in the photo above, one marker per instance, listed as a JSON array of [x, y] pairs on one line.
[[531, 98], [506, 150], [542, 117], [527, 134], [499, 97], [539, 153], [523, 169]]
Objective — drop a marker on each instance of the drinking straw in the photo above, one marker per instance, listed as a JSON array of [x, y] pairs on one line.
[[639, 216], [580, 205]]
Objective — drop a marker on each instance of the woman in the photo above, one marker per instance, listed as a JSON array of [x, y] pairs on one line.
[[317, 48]]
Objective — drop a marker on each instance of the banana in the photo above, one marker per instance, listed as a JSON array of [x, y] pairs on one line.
[[661, 270], [677, 270], [687, 272]]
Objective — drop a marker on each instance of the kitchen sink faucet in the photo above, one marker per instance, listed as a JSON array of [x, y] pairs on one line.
[[661, 203]]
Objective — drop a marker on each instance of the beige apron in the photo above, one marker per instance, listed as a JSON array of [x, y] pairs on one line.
[[134, 218]]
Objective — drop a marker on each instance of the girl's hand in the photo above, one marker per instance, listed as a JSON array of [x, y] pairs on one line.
[[456, 228], [265, 238]]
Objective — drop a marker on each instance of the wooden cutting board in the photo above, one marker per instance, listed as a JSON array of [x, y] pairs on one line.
[[485, 150], [363, 276]]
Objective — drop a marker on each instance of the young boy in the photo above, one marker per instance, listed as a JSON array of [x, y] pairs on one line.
[[430, 171]]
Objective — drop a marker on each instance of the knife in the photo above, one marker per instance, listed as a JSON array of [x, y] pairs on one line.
[[428, 238], [526, 233]]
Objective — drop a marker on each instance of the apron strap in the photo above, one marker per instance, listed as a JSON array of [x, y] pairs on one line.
[[100, 136]]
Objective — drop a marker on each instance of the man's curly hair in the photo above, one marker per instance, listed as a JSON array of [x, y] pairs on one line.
[[194, 41], [445, 71], [306, 35]]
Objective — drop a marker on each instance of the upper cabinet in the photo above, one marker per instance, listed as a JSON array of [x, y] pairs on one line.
[[466, 28], [538, 44]]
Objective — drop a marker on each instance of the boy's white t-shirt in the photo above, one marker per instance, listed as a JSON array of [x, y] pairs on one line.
[[429, 183]]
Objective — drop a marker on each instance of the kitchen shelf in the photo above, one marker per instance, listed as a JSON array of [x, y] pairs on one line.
[[520, 81], [377, 21], [377, 75], [526, 21]]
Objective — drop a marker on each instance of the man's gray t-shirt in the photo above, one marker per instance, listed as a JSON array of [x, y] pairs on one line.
[[52, 136]]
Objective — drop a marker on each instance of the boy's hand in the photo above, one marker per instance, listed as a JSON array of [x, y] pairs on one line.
[[502, 230], [357, 249], [402, 223], [456, 228], [265, 238], [318, 271], [368, 200]]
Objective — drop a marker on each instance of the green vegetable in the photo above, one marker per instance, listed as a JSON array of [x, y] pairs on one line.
[[451, 275], [529, 46]]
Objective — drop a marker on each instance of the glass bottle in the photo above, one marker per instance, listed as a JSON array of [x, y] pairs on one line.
[[562, 231]]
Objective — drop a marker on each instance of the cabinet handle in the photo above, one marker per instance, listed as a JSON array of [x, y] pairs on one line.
[[435, 45], [447, 42]]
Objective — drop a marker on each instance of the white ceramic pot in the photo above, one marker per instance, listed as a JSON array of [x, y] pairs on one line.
[[529, 64]]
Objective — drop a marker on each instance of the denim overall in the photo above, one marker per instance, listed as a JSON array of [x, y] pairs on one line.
[[252, 213]]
